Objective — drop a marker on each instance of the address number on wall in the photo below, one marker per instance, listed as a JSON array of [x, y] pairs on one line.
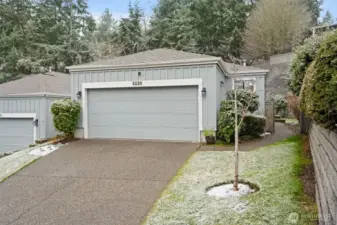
[[137, 83]]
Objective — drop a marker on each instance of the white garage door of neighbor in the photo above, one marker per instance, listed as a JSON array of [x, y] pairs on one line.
[[16, 134], [165, 113]]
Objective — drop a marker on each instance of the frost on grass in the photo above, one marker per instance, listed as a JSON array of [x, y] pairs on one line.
[[185, 200]]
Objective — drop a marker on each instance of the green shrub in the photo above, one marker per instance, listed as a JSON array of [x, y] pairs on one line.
[[226, 122], [304, 55], [253, 126], [226, 126], [280, 105], [318, 96], [66, 114], [244, 98]]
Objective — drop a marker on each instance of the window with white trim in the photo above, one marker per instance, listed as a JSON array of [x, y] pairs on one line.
[[245, 83]]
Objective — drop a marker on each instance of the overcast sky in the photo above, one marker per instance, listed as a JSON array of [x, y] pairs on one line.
[[119, 8]]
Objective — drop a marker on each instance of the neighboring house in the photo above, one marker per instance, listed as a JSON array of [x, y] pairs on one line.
[[25, 108], [323, 28], [160, 94]]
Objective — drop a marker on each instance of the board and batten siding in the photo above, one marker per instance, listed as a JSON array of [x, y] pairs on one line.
[[27, 105], [206, 72], [221, 88]]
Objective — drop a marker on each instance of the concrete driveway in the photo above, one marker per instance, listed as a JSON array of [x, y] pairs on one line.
[[92, 182]]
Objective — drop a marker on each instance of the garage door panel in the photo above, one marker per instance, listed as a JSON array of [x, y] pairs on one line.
[[168, 113], [145, 105], [128, 94], [144, 133], [155, 108], [18, 134], [144, 119]]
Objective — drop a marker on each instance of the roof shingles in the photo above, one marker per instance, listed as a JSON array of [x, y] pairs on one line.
[[52, 83], [160, 57]]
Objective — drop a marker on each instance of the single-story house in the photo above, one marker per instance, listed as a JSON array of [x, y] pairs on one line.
[[25, 108], [161, 94]]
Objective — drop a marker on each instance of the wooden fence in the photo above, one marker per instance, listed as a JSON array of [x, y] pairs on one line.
[[324, 151]]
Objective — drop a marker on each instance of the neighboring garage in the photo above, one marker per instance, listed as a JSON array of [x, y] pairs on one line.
[[25, 109], [161, 94], [18, 132]]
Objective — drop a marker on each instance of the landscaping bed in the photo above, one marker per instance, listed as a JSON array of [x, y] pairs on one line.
[[276, 169]]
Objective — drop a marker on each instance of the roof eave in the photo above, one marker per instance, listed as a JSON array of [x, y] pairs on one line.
[[38, 94], [249, 73], [144, 65]]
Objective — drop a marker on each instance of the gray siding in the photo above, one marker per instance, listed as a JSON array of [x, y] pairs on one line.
[[27, 105], [221, 89], [206, 72]]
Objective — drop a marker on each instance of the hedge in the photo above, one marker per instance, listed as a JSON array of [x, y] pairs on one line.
[[318, 95], [304, 56]]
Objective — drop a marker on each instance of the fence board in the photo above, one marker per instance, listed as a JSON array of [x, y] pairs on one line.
[[324, 151]]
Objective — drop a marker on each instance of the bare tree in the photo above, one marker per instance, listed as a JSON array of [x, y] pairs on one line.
[[275, 26], [241, 109]]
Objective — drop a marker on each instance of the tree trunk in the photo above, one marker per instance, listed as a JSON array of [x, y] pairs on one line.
[[236, 174]]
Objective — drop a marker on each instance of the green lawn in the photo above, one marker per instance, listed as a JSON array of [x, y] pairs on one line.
[[275, 169]]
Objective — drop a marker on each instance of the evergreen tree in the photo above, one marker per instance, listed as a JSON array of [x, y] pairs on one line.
[[328, 19], [131, 39], [212, 27]]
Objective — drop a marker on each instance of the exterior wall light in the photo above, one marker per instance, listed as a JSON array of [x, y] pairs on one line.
[[203, 91], [79, 94], [139, 73], [222, 83]]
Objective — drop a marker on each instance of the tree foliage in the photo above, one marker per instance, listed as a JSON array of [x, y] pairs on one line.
[[131, 37], [36, 35], [318, 94], [212, 27], [328, 19], [103, 41], [304, 55], [275, 26]]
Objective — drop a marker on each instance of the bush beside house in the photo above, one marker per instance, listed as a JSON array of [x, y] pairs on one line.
[[252, 126], [281, 105], [66, 114]]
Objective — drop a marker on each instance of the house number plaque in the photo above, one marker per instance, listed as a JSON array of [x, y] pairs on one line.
[[137, 83]]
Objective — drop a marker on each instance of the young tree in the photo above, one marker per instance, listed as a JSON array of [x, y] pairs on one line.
[[233, 112], [270, 30]]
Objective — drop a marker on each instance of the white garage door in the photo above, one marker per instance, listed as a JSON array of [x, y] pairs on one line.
[[169, 113], [16, 134]]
